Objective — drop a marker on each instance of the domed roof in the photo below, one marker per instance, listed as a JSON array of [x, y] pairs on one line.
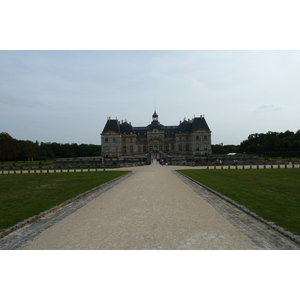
[[155, 123], [155, 115]]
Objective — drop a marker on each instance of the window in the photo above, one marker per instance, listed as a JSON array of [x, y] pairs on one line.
[[106, 140], [205, 138], [197, 137]]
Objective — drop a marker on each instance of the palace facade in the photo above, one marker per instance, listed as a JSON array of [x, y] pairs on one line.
[[191, 138]]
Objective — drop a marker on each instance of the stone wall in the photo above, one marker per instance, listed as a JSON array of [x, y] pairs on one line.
[[79, 162]]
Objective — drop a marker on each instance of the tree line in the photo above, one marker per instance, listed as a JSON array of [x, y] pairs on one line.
[[283, 144], [18, 150], [273, 143]]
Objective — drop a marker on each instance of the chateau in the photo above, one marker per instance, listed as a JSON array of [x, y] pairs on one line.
[[189, 140]]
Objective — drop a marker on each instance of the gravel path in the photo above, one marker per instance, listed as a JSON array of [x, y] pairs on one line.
[[153, 209]]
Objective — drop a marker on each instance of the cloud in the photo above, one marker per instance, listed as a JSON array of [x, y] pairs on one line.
[[269, 108]]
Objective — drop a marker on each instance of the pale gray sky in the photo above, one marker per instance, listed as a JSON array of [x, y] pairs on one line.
[[66, 96]]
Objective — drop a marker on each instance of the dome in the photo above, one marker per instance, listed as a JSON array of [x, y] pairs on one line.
[[155, 115]]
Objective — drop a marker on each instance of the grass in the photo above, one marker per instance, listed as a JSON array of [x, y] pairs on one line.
[[273, 194], [25, 195]]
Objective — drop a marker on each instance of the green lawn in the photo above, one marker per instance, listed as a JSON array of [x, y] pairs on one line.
[[25, 195], [273, 194]]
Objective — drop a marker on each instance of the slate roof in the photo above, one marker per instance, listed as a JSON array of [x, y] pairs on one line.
[[183, 127], [140, 131], [170, 130], [199, 123], [112, 125], [155, 125], [126, 128]]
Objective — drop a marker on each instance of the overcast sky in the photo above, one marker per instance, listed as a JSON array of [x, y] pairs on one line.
[[66, 96]]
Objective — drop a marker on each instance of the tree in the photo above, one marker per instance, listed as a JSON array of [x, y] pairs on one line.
[[8, 147]]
